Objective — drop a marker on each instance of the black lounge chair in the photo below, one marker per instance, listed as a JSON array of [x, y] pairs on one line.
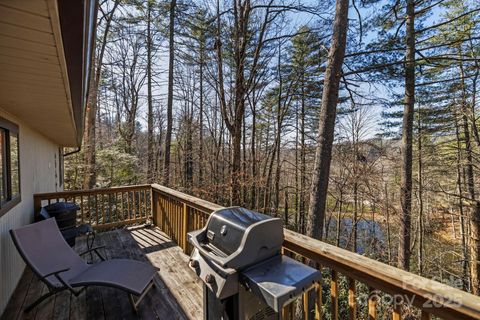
[[47, 253]]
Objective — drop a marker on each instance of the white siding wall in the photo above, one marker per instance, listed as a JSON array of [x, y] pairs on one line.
[[37, 174]]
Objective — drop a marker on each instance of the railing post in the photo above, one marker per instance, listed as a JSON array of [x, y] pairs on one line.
[[318, 301], [397, 312], [81, 209], [153, 206], [286, 314], [306, 308], [185, 227], [334, 294], [352, 304], [372, 304], [426, 315], [37, 206]]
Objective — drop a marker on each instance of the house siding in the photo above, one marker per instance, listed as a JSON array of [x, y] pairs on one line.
[[38, 173]]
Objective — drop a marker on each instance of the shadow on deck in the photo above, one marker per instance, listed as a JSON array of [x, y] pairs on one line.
[[177, 295]]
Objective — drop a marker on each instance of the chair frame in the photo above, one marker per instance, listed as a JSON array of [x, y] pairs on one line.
[[52, 290]]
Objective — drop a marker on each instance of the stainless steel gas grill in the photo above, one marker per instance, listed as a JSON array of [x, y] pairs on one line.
[[238, 257]]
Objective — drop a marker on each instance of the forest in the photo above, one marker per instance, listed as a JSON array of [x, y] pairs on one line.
[[356, 121]]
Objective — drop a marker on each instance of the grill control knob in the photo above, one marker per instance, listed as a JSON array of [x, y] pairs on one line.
[[194, 264], [223, 230], [209, 279]]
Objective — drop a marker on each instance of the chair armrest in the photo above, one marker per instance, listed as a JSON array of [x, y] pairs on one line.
[[59, 278], [55, 273], [94, 249]]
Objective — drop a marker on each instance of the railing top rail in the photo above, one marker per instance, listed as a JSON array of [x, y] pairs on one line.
[[419, 291], [72, 193], [200, 204]]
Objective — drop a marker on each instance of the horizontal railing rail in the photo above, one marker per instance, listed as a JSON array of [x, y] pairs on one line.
[[104, 208], [177, 214]]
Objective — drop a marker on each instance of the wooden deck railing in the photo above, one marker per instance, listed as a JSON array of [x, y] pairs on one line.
[[104, 208], [354, 286], [177, 214]]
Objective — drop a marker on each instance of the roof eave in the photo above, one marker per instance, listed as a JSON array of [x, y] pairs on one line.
[[78, 26]]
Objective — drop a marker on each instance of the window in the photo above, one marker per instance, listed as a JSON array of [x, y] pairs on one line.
[[10, 166]]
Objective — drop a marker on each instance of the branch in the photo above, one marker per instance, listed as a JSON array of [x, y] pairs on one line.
[[446, 22]]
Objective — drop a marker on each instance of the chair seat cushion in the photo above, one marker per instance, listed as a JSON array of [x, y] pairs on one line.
[[129, 275]]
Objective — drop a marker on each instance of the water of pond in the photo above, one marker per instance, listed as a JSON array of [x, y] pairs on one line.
[[370, 236]]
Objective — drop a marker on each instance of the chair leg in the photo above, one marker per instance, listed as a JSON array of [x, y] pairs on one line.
[[52, 293], [139, 299], [39, 300]]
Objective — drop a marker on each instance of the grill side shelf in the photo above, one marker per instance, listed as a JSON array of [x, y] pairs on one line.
[[279, 280]]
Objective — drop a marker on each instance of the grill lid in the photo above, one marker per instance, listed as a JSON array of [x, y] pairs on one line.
[[236, 237], [227, 227]]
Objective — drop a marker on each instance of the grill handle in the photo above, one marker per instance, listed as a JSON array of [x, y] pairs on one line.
[[193, 237]]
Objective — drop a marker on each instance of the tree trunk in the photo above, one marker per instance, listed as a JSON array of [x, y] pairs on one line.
[[387, 212], [297, 185], [279, 137], [323, 154], [244, 163], [420, 198], [475, 211], [303, 166], [339, 219], [200, 124], [253, 192], [188, 157], [90, 177], [407, 139], [235, 159], [463, 231], [150, 151], [285, 209], [355, 213], [168, 133], [475, 205], [267, 195]]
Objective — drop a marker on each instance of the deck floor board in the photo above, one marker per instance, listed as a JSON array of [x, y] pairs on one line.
[[177, 294]]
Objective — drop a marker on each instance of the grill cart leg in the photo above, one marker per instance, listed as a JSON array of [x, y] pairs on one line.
[[216, 309]]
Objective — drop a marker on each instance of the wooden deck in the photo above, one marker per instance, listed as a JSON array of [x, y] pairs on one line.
[[177, 295]]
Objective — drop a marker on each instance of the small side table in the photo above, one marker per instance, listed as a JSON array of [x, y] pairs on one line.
[[84, 229]]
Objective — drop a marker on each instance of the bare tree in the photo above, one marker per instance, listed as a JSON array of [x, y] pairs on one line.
[[90, 177], [233, 113], [171, 59], [150, 138], [407, 140], [328, 112]]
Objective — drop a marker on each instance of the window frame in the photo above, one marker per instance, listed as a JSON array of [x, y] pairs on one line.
[[61, 168], [8, 127]]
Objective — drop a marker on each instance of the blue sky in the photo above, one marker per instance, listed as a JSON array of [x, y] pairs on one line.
[[297, 19]]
